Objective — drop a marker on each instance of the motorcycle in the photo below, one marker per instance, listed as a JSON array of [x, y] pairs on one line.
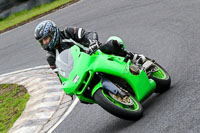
[[116, 83]]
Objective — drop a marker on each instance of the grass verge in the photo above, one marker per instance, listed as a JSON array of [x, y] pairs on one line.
[[13, 100], [25, 16]]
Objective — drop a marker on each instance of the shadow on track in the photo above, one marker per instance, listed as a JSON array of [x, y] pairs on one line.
[[116, 126]]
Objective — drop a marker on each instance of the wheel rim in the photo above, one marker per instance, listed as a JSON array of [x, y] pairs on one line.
[[129, 103], [159, 74], [125, 100]]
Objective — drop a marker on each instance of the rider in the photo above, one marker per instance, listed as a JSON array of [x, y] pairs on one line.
[[51, 38]]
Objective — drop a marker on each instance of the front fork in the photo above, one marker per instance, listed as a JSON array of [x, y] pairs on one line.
[[108, 85]]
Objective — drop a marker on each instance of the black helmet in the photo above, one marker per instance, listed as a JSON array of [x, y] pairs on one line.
[[45, 29]]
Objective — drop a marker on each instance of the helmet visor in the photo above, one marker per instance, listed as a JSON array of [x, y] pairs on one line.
[[44, 42]]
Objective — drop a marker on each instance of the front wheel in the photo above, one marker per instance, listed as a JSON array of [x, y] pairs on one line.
[[126, 108]]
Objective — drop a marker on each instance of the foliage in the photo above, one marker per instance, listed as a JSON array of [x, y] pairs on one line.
[[25, 15], [13, 100]]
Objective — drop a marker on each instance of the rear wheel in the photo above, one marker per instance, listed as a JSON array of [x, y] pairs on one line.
[[126, 108], [162, 79]]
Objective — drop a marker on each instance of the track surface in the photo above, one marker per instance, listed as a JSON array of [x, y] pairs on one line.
[[168, 31]]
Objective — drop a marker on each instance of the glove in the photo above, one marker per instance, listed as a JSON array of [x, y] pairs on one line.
[[93, 42], [94, 45]]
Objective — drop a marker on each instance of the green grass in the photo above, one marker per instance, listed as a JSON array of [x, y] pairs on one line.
[[28, 14], [13, 100]]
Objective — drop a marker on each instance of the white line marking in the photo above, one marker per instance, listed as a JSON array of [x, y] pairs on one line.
[[65, 115], [24, 70]]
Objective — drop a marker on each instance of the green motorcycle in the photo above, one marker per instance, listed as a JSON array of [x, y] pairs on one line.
[[116, 83]]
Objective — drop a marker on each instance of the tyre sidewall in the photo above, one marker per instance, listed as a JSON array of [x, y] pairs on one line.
[[115, 110], [162, 84]]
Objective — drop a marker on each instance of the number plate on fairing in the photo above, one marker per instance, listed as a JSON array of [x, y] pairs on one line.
[[75, 79]]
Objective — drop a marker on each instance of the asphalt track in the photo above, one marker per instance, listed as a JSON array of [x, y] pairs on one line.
[[168, 31]]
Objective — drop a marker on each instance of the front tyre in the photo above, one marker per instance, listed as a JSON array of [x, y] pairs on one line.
[[127, 108]]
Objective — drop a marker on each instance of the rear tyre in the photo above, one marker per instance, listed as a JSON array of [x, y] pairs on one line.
[[127, 108], [162, 79]]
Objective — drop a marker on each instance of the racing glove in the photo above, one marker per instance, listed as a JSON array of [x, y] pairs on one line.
[[94, 45]]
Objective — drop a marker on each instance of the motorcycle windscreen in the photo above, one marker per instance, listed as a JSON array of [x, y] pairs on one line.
[[64, 62]]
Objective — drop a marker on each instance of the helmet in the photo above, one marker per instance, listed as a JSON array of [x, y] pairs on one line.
[[46, 29]]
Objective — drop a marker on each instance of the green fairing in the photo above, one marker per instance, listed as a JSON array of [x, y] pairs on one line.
[[86, 65], [112, 82]]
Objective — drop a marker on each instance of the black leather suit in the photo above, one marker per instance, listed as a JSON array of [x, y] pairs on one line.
[[77, 36]]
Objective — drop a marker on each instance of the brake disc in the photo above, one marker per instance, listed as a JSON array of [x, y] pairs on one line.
[[126, 100]]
